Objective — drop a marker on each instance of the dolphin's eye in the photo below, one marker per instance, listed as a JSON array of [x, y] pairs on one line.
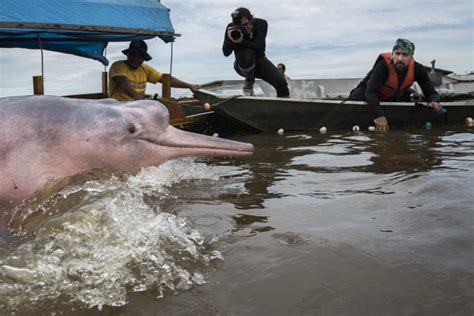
[[131, 129]]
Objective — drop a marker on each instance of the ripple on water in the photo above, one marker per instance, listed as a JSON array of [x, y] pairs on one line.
[[290, 239], [224, 247], [207, 220], [245, 232], [185, 304]]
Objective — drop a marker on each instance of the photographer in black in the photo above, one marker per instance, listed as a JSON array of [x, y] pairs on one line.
[[246, 37]]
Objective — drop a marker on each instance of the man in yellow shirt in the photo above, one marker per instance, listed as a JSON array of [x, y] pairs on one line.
[[128, 78]]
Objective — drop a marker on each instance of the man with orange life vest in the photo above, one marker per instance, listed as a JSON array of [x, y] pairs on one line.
[[390, 80]]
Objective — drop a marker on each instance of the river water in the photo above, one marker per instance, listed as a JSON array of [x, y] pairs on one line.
[[337, 224]]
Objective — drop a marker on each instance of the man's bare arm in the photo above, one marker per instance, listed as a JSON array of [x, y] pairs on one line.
[[176, 83]]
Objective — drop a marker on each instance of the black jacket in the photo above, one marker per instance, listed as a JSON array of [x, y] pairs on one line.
[[256, 43]]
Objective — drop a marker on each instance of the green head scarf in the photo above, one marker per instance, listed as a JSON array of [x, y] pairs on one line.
[[405, 46]]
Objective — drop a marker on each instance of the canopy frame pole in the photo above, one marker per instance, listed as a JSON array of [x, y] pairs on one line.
[[42, 57], [104, 79], [105, 55], [171, 59], [166, 79]]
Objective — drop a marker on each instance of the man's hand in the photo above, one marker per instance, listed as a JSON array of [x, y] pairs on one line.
[[435, 105], [381, 124], [237, 41]]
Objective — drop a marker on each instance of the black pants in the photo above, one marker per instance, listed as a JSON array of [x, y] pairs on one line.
[[263, 69], [358, 94]]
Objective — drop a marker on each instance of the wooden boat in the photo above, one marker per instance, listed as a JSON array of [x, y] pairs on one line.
[[318, 103], [84, 28]]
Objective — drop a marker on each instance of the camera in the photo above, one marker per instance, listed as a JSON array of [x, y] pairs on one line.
[[236, 33]]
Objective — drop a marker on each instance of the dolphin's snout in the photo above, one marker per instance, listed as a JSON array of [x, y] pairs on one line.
[[191, 144]]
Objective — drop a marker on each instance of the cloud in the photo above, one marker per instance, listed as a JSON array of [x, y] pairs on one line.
[[315, 39]]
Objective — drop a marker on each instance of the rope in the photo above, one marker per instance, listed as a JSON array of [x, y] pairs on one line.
[[227, 99]]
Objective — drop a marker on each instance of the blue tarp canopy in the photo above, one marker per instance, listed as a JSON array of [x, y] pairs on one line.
[[81, 27]]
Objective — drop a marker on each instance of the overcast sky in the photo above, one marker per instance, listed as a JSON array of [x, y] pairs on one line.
[[314, 38]]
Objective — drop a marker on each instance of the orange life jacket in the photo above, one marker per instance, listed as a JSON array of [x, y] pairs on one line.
[[391, 85]]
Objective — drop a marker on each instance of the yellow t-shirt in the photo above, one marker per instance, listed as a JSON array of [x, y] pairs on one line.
[[137, 77]]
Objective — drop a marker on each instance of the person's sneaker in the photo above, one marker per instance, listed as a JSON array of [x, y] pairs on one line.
[[248, 88]]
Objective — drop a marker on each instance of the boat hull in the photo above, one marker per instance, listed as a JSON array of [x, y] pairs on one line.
[[323, 102], [271, 114]]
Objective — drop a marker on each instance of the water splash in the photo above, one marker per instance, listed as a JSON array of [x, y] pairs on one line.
[[109, 244]]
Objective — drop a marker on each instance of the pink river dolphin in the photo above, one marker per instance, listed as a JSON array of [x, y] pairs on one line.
[[45, 138]]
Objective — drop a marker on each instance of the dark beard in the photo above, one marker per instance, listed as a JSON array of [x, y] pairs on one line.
[[400, 67]]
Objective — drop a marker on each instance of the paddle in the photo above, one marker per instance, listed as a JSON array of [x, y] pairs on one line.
[[435, 78]]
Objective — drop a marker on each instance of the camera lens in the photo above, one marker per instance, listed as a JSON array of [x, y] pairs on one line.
[[235, 34]]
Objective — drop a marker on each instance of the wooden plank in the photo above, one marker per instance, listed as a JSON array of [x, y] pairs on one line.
[[105, 85], [166, 85], [38, 85], [174, 108], [191, 119], [98, 95], [190, 102]]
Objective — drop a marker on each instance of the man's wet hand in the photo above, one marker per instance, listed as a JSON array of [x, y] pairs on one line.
[[381, 124], [435, 105]]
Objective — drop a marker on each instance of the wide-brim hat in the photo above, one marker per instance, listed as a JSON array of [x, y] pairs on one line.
[[138, 46]]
